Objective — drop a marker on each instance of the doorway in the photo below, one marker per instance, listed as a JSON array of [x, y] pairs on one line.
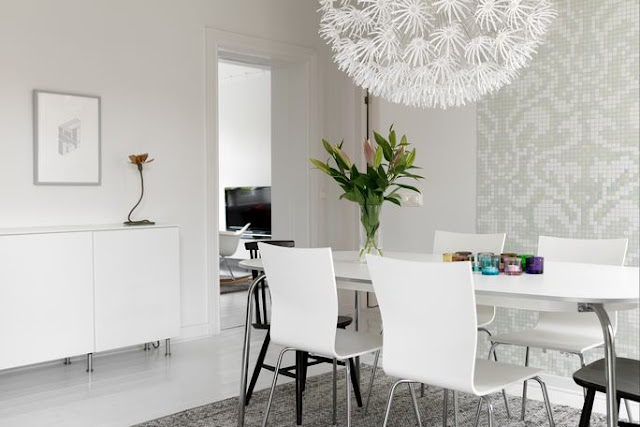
[[263, 89], [244, 162]]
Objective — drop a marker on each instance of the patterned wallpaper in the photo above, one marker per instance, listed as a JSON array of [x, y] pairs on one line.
[[558, 151]]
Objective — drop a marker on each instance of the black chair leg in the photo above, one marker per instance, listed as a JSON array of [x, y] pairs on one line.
[[356, 383], [299, 385], [585, 418], [305, 367], [258, 368]]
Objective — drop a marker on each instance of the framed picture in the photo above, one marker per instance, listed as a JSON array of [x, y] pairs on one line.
[[66, 136]]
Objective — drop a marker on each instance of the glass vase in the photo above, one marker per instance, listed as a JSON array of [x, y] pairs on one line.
[[370, 235]]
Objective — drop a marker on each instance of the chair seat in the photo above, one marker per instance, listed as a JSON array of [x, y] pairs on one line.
[[353, 344], [491, 376], [627, 377], [551, 340]]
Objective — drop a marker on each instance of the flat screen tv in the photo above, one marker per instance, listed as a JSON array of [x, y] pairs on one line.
[[248, 204]]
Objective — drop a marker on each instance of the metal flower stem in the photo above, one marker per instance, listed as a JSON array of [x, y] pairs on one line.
[[141, 193]]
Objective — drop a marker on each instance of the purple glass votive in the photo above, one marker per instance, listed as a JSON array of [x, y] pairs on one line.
[[535, 265]]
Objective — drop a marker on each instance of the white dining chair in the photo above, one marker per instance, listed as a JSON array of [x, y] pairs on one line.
[[574, 333], [435, 303], [228, 244], [448, 241], [304, 313]]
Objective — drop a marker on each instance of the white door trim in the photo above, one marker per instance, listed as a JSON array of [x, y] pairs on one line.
[[275, 52]]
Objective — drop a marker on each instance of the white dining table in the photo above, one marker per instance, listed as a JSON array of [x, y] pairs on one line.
[[564, 287]]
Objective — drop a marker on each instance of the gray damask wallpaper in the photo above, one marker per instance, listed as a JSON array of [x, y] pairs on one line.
[[558, 151]]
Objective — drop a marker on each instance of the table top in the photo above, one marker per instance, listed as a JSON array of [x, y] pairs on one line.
[[562, 282]]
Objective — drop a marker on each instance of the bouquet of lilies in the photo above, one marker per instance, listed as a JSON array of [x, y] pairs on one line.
[[390, 161]]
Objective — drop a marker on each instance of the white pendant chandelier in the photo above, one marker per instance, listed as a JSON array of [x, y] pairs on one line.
[[433, 53]]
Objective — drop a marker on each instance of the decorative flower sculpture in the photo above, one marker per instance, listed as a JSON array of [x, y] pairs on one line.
[[139, 160], [428, 53]]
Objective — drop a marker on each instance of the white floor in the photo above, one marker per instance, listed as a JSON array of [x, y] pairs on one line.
[[134, 386]]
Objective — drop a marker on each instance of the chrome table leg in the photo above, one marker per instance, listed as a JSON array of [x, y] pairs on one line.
[[89, 362], [609, 359], [244, 369]]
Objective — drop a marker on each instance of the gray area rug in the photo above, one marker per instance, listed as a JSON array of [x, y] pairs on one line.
[[317, 408]]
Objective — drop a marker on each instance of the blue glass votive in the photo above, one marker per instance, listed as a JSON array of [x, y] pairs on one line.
[[535, 265], [490, 265]]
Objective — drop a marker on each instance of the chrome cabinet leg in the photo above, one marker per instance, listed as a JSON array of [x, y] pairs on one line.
[[455, 408], [67, 361], [167, 347], [373, 375], [445, 407], [547, 404], [348, 380], [89, 362], [335, 392], [609, 358], [244, 368], [356, 320], [273, 385], [524, 388], [415, 403]]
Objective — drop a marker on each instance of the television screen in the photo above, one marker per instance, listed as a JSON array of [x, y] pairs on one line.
[[248, 204]]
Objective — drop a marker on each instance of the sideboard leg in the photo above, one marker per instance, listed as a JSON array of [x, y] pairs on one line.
[[167, 347], [67, 361], [89, 362]]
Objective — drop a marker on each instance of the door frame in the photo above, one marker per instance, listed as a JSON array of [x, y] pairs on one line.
[[272, 51]]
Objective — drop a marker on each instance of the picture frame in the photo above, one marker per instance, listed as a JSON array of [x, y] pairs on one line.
[[67, 146]]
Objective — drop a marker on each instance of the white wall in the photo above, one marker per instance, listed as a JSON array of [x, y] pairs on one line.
[[445, 142], [146, 59], [244, 120]]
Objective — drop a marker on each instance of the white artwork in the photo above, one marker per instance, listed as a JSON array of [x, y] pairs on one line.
[[66, 139]]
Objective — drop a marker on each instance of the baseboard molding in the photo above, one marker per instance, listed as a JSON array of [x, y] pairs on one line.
[[563, 391]]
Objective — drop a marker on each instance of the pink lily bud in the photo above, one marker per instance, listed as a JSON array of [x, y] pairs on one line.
[[398, 156], [369, 153]]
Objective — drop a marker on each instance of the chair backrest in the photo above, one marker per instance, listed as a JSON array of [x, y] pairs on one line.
[[260, 293], [589, 251], [447, 241], [304, 298], [429, 320], [228, 240]]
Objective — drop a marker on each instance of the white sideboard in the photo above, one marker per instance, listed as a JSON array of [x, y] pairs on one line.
[[68, 291]]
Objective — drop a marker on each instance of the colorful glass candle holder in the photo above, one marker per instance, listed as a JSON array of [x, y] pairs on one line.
[[461, 256], [475, 263], [502, 258], [524, 260], [535, 265], [512, 266], [490, 265], [447, 257]]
